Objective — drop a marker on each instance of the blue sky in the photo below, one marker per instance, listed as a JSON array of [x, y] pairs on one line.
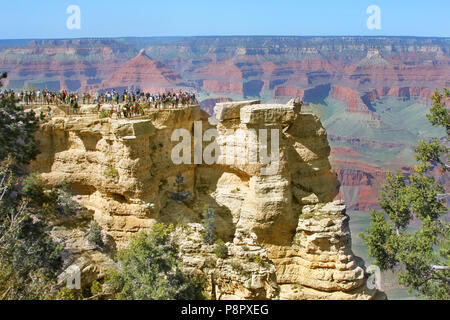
[[25, 19]]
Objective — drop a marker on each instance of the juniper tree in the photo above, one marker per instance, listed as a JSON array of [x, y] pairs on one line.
[[29, 259], [421, 253], [150, 270], [17, 129]]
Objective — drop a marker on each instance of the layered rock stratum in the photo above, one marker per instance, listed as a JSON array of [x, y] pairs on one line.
[[285, 235], [383, 84]]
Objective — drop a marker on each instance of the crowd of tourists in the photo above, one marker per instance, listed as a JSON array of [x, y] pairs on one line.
[[127, 97], [171, 99]]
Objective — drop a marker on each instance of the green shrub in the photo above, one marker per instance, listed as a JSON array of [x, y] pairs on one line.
[[95, 234], [29, 259], [259, 260], [68, 294], [96, 288], [111, 173], [47, 204], [221, 250], [103, 114], [17, 133], [33, 189], [237, 266], [209, 223], [151, 270], [65, 204]]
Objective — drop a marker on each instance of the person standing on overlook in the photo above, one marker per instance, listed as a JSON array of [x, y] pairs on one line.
[[119, 115]]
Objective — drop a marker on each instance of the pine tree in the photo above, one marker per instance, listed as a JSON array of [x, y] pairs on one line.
[[421, 253]]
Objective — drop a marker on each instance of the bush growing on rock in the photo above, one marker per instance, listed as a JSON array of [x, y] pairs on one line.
[[95, 234], [66, 205], [96, 289], [221, 250], [69, 294], [17, 128], [103, 114], [111, 173], [150, 270], [209, 223], [29, 259], [46, 204], [259, 260]]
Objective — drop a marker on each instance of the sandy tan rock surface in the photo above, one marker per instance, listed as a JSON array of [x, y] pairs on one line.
[[122, 171]]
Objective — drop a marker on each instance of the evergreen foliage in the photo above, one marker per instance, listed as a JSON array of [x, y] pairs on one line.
[[394, 239], [209, 223], [29, 259], [150, 270]]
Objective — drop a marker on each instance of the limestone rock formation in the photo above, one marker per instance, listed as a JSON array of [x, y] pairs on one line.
[[359, 72], [320, 257], [285, 237], [244, 273]]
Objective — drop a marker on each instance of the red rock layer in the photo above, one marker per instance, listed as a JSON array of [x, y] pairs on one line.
[[143, 71], [289, 92], [421, 95], [220, 70], [360, 183], [352, 98], [224, 87]]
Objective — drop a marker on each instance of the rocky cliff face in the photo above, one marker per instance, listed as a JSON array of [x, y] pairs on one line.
[[362, 73], [285, 236]]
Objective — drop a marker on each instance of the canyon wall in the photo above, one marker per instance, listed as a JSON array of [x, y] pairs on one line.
[[270, 67], [359, 73], [286, 238]]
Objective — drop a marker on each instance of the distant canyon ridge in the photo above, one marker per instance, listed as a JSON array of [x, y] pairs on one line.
[[371, 93]]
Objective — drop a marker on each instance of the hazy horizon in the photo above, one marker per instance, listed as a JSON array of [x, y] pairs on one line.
[[229, 36]]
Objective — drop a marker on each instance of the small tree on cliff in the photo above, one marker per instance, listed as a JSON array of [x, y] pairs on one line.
[[150, 270], [29, 259], [17, 128], [209, 223], [420, 252]]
